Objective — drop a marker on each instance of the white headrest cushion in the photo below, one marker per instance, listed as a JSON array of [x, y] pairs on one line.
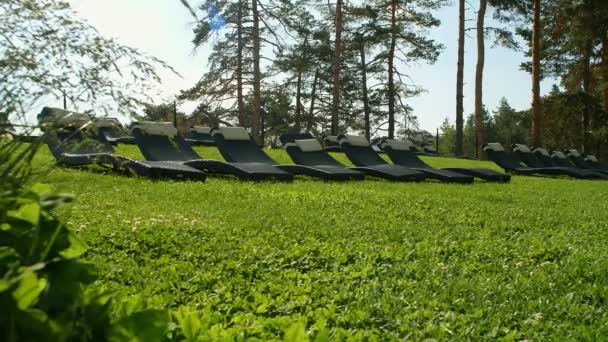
[[201, 129], [234, 133], [107, 122], [559, 154], [494, 147], [63, 118], [521, 148], [356, 140], [405, 145], [592, 159], [157, 128], [309, 145], [574, 153], [542, 151], [60, 117]]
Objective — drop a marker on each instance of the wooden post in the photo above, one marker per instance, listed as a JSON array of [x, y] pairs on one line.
[[175, 114], [437, 141]]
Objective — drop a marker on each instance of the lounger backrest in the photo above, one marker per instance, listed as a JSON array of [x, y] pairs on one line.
[[559, 155], [236, 146], [331, 140], [308, 145], [74, 141], [405, 145], [524, 154], [63, 119], [109, 127], [200, 135], [310, 153], [592, 161], [107, 123], [496, 152], [521, 148], [544, 156], [560, 158], [578, 160], [70, 132], [160, 141], [542, 151], [359, 151], [201, 130], [401, 153], [292, 137], [429, 149], [493, 147]]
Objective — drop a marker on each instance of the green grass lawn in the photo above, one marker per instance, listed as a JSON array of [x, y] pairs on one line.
[[371, 260]]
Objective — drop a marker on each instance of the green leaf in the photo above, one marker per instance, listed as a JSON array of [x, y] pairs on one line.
[[28, 290], [7, 252], [28, 212], [77, 247], [41, 189], [144, 326], [4, 285], [190, 324], [296, 333]]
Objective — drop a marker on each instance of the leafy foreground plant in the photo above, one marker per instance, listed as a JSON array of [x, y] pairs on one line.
[[44, 293]]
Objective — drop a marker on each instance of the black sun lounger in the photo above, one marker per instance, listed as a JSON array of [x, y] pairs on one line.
[[360, 153], [592, 161], [161, 141], [400, 153], [429, 150], [331, 143], [200, 136], [577, 158], [543, 160], [72, 139], [312, 160], [496, 152], [560, 159], [237, 146], [112, 131]]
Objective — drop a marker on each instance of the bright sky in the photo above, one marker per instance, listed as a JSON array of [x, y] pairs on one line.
[[163, 28]]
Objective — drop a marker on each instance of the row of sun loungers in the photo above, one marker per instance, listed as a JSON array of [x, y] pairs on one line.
[[115, 134], [72, 145], [167, 153], [540, 161]]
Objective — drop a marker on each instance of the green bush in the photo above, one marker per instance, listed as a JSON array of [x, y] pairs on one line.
[[44, 288]]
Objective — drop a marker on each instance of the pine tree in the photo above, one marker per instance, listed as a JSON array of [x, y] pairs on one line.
[[401, 27]]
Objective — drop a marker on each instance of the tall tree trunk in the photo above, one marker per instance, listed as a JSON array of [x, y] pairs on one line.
[[257, 76], [391, 70], [536, 109], [479, 129], [605, 69], [337, 66], [298, 115], [460, 80], [587, 89], [313, 96], [366, 109], [239, 66]]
